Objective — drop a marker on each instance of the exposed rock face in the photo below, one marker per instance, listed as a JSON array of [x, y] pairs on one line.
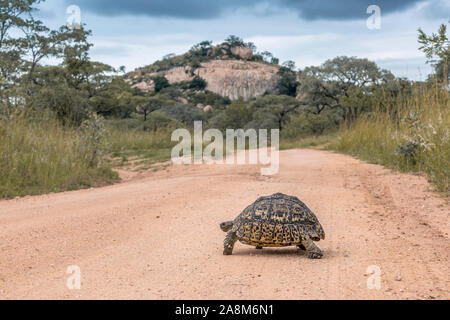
[[243, 52], [228, 78], [146, 85]]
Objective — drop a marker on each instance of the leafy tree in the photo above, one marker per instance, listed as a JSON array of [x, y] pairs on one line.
[[352, 71], [117, 99], [316, 93], [12, 48], [159, 119], [344, 83], [198, 83], [234, 41], [169, 56], [208, 98], [272, 111], [184, 113], [251, 46], [275, 60], [306, 124], [39, 42], [289, 65], [201, 49], [288, 83], [268, 57], [160, 83], [437, 49], [153, 103], [237, 115]]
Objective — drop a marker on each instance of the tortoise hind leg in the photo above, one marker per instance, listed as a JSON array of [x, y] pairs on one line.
[[229, 242], [313, 251]]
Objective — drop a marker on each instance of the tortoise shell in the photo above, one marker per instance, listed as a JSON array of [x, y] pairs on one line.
[[276, 221]]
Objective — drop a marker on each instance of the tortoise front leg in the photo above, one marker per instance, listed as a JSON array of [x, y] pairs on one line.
[[313, 251], [229, 242]]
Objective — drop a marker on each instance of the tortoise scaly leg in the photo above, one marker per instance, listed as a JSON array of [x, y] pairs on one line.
[[229, 242], [259, 247], [313, 251], [301, 247]]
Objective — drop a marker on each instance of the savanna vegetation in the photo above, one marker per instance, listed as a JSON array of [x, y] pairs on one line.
[[67, 125]]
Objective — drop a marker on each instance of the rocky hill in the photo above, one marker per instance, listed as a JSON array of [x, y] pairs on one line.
[[229, 71]]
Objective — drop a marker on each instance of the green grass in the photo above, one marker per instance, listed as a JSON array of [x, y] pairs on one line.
[[145, 147], [377, 138], [320, 142], [42, 156]]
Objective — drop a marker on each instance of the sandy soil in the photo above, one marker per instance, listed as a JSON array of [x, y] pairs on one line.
[[157, 236]]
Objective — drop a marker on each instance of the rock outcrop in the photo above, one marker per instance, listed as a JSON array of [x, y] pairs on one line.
[[228, 78], [242, 52]]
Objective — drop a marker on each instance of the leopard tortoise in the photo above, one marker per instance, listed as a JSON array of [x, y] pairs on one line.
[[278, 220]]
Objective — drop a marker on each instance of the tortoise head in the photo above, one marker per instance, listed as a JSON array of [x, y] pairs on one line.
[[226, 226]]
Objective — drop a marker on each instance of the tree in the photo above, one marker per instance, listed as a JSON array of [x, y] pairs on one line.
[[198, 83], [184, 113], [169, 56], [316, 93], [153, 103], [160, 83], [12, 48], [288, 83], [39, 42], [352, 71], [201, 49], [251, 46], [237, 115], [268, 57], [437, 49], [289, 65], [343, 82], [234, 41], [271, 111], [116, 98]]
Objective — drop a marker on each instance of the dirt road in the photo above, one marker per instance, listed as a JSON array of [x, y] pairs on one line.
[[157, 236]]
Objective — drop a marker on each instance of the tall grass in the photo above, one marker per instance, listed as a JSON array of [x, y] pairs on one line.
[[41, 156], [409, 134], [151, 146]]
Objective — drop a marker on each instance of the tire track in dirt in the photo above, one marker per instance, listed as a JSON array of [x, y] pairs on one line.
[[386, 212]]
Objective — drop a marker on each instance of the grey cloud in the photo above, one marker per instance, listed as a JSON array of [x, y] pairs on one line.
[[209, 9]]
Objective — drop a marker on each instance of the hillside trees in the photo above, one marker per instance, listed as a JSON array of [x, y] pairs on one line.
[[147, 105], [272, 111], [288, 83], [201, 49], [160, 83]]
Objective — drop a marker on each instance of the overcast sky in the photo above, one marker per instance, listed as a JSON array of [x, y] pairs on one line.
[[135, 33]]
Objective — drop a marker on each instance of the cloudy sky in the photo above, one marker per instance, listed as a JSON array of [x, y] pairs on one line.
[[135, 33]]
